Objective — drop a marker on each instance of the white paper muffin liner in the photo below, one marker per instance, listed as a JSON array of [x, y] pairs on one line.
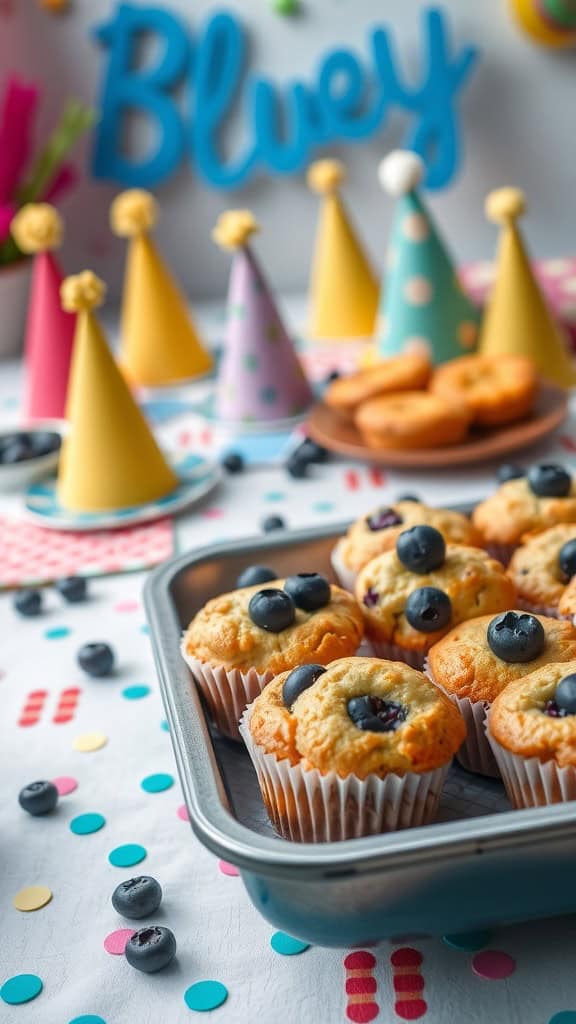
[[346, 577], [536, 609], [530, 782], [475, 753], [227, 691], [502, 552], [306, 806], [395, 652]]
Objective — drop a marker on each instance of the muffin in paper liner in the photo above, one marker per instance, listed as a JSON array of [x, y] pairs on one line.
[[475, 754], [530, 782], [394, 652], [345, 576], [227, 692], [306, 806]]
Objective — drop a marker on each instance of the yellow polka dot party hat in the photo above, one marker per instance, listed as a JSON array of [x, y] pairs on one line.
[[110, 459], [159, 342], [517, 319], [423, 306], [344, 289]]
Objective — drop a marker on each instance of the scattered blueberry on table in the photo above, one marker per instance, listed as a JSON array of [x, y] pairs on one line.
[[25, 445], [549, 481], [272, 610], [151, 949], [255, 574], [233, 462], [137, 897], [308, 590], [72, 588], [28, 603], [296, 467], [38, 798], [96, 659], [271, 523], [408, 497]]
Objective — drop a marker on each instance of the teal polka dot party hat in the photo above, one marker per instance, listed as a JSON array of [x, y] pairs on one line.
[[260, 378], [423, 306]]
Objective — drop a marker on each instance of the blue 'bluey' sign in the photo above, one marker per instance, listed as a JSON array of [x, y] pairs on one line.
[[284, 125]]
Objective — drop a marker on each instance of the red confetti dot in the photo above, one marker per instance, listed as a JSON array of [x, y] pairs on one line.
[[115, 942], [361, 986], [410, 1009], [408, 983], [62, 719], [28, 720], [362, 1013], [493, 965], [360, 960], [406, 958]]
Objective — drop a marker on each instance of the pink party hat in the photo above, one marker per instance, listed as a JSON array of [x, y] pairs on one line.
[[37, 230], [260, 377]]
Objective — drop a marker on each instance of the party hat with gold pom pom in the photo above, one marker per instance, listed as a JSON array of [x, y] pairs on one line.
[[517, 320], [260, 378], [37, 230], [110, 458], [159, 343], [343, 286], [423, 306]]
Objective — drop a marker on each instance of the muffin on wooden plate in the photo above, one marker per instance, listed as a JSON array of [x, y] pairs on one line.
[[496, 391], [407, 372]]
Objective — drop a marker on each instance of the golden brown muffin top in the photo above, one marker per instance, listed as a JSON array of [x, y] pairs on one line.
[[319, 732], [535, 566], [222, 633], [474, 582], [514, 510], [519, 723], [464, 664]]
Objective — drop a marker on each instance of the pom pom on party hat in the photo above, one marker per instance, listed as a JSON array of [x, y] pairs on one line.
[[343, 286], [159, 343], [37, 230], [110, 458], [260, 378], [517, 320], [423, 305]]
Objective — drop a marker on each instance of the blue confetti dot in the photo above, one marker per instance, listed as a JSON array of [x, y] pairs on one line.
[[145, 629], [274, 496], [564, 1017], [468, 942], [165, 725], [57, 632], [286, 945], [135, 692], [324, 506], [85, 824], [128, 855], [157, 783], [21, 989], [205, 995], [88, 1018]]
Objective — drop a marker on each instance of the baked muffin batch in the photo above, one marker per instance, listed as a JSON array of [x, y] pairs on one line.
[[468, 657]]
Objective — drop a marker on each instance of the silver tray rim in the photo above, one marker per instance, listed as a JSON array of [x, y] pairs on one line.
[[211, 816]]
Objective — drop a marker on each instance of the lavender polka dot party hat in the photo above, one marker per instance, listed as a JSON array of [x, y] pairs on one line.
[[260, 378], [423, 306]]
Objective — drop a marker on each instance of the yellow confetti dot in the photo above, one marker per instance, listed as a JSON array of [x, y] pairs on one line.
[[88, 741], [33, 898]]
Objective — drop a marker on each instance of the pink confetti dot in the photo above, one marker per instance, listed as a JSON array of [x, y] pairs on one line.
[[493, 965], [126, 606], [228, 869], [182, 813], [65, 784], [115, 942]]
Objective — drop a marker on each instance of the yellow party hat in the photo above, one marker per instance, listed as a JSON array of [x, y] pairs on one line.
[[110, 458], [517, 319], [159, 343], [343, 287]]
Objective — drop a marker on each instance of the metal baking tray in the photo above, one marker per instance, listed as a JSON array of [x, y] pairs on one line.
[[480, 864]]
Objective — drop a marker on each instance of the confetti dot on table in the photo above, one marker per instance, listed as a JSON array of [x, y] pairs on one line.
[[157, 783], [88, 1018], [165, 726], [468, 942], [182, 813], [145, 629], [126, 856], [410, 1009], [286, 945], [406, 958], [323, 506], [564, 1017], [57, 632], [360, 960], [115, 942], [493, 965], [274, 496], [123, 607], [86, 824], [205, 995], [65, 784], [89, 741], [228, 869], [21, 989], [135, 692], [33, 898]]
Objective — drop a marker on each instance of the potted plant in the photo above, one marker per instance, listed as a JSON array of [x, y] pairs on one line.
[[26, 178]]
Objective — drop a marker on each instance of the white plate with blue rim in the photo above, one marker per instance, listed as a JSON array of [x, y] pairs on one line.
[[198, 477]]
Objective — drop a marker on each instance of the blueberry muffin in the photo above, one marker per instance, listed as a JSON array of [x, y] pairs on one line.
[[545, 497], [378, 532], [414, 595], [239, 641], [477, 659], [543, 569], [532, 731], [356, 748]]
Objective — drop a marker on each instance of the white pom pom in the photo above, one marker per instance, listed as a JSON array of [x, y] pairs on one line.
[[400, 172]]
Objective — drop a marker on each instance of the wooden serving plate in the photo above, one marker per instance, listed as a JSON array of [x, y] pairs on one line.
[[550, 410]]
